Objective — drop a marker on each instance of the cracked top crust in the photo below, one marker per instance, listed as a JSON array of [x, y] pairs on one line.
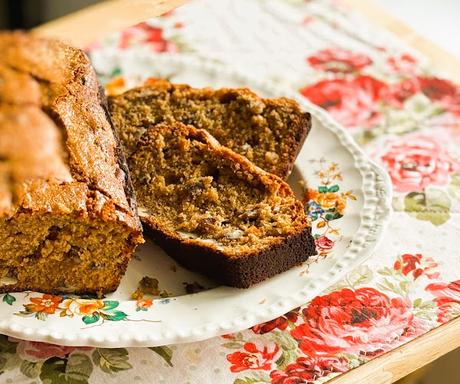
[[58, 151]]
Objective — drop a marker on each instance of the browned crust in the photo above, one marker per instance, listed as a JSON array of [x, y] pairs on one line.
[[122, 163], [244, 271], [301, 131]]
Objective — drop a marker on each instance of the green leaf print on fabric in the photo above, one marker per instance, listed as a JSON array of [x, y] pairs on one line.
[[433, 205], [414, 115], [358, 277], [424, 309], [247, 380], [289, 349], [111, 360], [233, 345], [454, 187], [75, 369], [7, 346], [287, 357], [8, 357], [257, 377], [401, 288], [31, 369], [165, 352]]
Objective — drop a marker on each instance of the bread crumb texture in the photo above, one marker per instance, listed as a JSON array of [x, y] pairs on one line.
[[192, 188], [269, 132]]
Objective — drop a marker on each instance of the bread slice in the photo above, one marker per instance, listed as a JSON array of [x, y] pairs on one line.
[[269, 132], [68, 219], [213, 210]]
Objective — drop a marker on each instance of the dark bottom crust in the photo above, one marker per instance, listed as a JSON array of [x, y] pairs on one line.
[[244, 271]]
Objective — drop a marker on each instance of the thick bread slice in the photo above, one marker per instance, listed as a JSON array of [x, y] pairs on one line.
[[68, 219], [269, 132], [213, 210]]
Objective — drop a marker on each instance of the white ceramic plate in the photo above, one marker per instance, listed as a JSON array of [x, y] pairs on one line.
[[346, 182]]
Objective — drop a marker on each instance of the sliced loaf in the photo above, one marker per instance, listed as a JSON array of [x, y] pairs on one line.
[[213, 210]]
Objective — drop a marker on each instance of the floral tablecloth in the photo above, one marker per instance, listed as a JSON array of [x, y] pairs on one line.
[[407, 118]]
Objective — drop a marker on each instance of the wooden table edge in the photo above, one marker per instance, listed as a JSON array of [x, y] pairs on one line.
[[411, 356], [440, 58]]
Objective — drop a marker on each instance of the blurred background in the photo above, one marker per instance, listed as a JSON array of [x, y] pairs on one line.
[[436, 20], [25, 14]]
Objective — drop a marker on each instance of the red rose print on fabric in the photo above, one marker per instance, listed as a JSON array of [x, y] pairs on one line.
[[280, 323], [404, 64], [307, 369], [338, 60], [417, 161], [324, 244], [229, 336], [36, 351], [438, 89], [442, 91], [401, 91], [353, 102], [146, 34], [416, 265], [447, 299], [307, 20], [361, 322], [254, 357]]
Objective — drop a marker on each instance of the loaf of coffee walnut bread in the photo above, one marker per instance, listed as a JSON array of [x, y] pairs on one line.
[[269, 132], [213, 210], [68, 220]]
